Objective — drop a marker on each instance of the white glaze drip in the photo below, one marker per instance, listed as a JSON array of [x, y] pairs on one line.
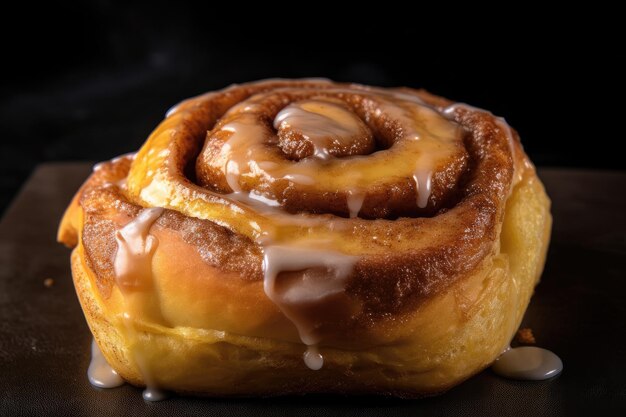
[[313, 358], [433, 147], [528, 363], [133, 274], [355, 199], [237, 152], [271, 208], [100, 373], [135, 247], [308, 288], [423, 185], [320, 122]]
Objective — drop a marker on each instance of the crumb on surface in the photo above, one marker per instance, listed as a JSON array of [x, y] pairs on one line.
[[48, 282], [525, 336]]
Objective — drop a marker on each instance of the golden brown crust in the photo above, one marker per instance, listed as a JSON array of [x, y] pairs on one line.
[[430, 301]]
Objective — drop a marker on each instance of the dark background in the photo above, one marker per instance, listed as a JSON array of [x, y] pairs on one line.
[[90, 80]]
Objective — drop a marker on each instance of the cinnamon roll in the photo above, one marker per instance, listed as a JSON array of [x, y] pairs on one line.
[[309, 236]]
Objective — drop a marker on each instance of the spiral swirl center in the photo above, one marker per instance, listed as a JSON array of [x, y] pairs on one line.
[[347, 150], [323, 129]]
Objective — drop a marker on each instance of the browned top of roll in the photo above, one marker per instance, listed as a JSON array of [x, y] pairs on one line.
[[411, 185]]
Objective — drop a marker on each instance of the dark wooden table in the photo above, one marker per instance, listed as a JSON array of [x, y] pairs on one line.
[[578, 311]]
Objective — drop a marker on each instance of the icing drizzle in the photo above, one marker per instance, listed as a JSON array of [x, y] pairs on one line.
[[133, 272], [309, 287], [100, 373], [528, 363]]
